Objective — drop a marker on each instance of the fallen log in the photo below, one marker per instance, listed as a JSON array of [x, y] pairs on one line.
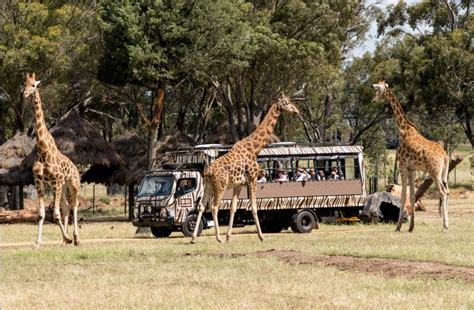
[[23, 216]]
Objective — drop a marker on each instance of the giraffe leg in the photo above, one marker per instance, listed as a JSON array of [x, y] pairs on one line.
[[253, 199], [444, 202], [65, 212], [402, 200], [74, 189], [41, 212], [233, 208], [201, 208], [58, 187], [411, 184], [215, 209]]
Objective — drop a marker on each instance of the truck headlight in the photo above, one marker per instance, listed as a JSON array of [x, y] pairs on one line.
[[135, 212], [148, 209], [142, 209]]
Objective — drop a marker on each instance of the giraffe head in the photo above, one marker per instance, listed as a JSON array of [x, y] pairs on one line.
[[380, 88], [31, 85], [284, 103]]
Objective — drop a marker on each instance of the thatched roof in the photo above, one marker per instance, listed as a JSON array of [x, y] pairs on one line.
[[133, 151], [77, 139], [165, 144], [15, 150], [131, 148]]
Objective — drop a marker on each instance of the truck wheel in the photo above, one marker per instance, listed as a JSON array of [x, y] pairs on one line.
[[271, 226], [189, 224], [302, 222], [161, 232]]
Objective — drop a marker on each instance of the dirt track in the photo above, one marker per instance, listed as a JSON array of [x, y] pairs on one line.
[[386, 266]]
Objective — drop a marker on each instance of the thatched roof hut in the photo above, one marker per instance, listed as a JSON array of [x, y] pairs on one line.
[[133, 151], [165, 144], [15, 150], [77, 139], [131, 148]]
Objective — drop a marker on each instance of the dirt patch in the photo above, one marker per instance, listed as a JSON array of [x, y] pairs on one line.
[[387, 266]]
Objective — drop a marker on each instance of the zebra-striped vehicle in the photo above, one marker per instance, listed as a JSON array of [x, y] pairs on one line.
[[300, 185]]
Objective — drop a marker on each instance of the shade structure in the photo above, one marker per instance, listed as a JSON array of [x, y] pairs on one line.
[[15, 150], [131, 148], [133, 151]]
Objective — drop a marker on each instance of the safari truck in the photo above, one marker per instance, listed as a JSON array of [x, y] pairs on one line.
[[320, 181]]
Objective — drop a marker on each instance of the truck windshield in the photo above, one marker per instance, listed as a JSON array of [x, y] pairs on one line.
[[156, 186]]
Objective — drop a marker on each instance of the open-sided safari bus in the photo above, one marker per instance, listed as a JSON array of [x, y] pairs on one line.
[[301, 185]]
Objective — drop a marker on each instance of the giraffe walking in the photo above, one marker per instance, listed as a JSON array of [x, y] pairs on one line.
[[239, 167], [52, 169], [415, 152]]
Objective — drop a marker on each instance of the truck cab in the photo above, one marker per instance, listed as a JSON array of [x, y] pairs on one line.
[[166, 198]]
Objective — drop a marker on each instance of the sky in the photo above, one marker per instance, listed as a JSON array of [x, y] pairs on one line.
[[371, 41]]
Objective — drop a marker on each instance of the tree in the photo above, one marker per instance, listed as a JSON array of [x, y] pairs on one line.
[[54, 39]]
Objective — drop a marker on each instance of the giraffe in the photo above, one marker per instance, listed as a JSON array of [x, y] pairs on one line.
[[53, 169], [239, 167], [415, 152]]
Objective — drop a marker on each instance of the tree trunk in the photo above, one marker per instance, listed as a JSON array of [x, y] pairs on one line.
[[23, 216], [427, 183], [156, 110]]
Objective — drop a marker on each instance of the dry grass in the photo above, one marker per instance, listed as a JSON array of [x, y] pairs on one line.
[[165, 273]]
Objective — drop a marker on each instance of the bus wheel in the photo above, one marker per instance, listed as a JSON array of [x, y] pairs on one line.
[[189, 224], [302, 222], [161, 232], [269, 226]]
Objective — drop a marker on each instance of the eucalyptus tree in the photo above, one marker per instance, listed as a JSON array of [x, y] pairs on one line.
[[54, 39]]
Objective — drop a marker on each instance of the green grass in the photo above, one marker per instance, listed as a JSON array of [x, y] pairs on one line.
[[161, 273]]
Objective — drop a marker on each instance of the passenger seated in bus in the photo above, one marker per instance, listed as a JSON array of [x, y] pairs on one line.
[[321, 176], [281, 176], [335, 175], [302, 175], [313, 175], [261, 177]]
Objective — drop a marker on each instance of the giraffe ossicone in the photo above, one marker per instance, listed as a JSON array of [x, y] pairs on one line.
[[52, 168], [238, 168]]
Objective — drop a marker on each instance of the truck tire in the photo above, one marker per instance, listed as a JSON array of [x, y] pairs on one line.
[[303, 222], [161, 232], [271, 226], [189, 224]]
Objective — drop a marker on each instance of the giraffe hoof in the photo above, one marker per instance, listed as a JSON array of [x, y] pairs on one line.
[[77, 242], [67, 240], [36, 245]]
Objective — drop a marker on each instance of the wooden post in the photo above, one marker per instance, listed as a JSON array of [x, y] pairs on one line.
[[93, 198], [124, 199]]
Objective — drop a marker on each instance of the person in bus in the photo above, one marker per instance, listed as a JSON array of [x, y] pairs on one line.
[[261, 177], [302, 175], [321, 176], [281, 176], [313, 175], [334, 174]]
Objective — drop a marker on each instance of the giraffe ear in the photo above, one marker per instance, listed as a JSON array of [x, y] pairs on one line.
[[33, 76], [36, 83]]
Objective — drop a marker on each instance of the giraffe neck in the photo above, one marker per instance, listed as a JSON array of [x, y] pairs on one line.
[[401, 119], [44, 140], [261, 136]]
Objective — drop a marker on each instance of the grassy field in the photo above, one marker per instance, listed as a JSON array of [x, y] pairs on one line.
[[113, 269]]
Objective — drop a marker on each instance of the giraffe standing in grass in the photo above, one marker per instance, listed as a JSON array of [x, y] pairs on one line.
[[239, 167], [416, 153], [52, 169]]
